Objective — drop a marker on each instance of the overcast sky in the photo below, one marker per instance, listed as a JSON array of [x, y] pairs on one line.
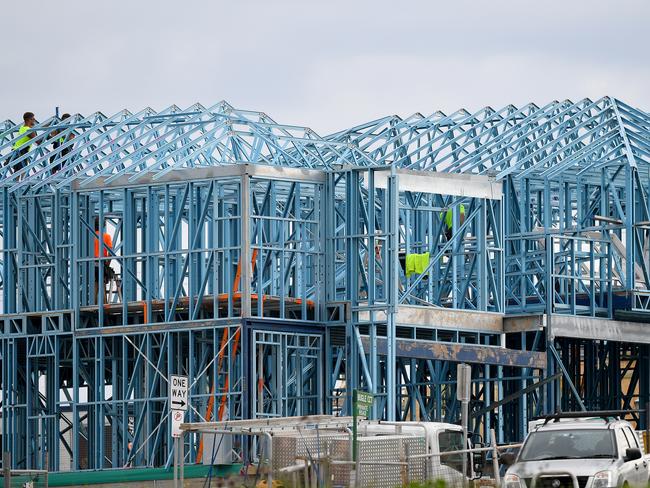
[[327, 65]]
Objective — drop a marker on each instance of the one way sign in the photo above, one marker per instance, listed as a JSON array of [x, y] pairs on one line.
[[178, 386]]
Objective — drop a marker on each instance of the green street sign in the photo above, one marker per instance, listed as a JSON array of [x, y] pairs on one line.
[[362, 402]]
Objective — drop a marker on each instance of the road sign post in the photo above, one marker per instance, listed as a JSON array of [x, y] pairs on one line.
[[178, 405], [463, 394]]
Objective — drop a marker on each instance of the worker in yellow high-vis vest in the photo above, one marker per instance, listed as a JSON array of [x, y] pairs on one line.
[[60, 140], [449, 220], [22, 143]]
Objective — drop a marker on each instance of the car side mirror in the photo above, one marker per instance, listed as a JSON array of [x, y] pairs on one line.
[[478, 462], [632, 454], [478, 459], [507, 458]]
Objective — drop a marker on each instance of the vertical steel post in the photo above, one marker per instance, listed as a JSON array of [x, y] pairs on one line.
[[245, 254], [483, 258], [392, 289], [550, 359], [372, 289]]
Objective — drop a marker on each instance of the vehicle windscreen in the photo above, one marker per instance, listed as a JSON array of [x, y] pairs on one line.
[[450, 440], [568, 444]]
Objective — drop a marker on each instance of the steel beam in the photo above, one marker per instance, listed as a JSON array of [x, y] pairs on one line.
[[467, 353]]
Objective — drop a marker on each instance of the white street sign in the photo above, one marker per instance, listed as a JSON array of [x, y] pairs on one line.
[[178, 386], [177, 420]]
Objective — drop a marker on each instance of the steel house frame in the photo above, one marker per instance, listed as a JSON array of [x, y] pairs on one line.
[[268, 264]]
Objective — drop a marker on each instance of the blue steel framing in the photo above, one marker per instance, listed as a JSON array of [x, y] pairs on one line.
[[267, 263]]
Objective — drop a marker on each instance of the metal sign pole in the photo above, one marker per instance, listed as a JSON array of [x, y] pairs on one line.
[[495, 457], [463, 394], [464, 411], [181, 455], [176, 485], [362, 403]]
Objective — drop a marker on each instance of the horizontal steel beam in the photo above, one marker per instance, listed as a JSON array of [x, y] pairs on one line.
[[466, 353], [579, 327], [461, 185], [603, 329], [466, 320], [524, 323], [208, 173], [162, 327]]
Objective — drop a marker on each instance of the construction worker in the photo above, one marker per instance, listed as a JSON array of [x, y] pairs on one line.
[[60, 140], [108, 271], [130, 456], [21, 146], [449, 220]]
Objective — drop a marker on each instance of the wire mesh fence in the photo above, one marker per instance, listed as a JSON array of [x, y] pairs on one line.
[[21, 478], [324, 458], [30, 480]]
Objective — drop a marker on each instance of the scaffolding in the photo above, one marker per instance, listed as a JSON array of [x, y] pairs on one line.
[[268, 264]]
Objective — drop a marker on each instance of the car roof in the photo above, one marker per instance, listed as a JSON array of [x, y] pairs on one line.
[[581, 424]]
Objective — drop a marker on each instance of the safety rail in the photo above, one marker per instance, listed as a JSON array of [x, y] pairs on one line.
[[387, 458], [641, 300]]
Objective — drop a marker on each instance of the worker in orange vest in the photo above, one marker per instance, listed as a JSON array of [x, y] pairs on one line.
[[108, 271]]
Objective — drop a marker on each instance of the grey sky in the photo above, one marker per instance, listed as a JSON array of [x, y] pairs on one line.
[[327, 65]]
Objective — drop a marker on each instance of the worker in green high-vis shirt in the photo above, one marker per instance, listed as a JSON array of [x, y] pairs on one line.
[[449, 220], [60, 140], [22, 143]]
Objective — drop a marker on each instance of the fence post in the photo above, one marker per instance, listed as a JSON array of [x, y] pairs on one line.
[[327, 472], [6, 469]]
